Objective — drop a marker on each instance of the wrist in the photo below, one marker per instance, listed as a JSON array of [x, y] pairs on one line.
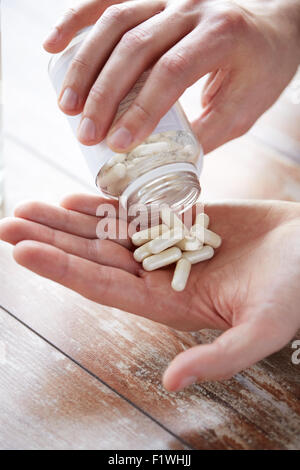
[[288, 14]]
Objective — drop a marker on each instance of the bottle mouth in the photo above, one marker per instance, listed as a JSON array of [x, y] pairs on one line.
[[176, 185]]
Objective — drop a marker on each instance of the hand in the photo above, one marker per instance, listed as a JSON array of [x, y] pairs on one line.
[[250, 288], [250, 49]]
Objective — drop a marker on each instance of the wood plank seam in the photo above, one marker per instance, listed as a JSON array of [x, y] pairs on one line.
[[36, 154], [217, 399], [182, 441]]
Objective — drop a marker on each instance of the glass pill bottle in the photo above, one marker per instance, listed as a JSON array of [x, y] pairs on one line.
[[164, 169]]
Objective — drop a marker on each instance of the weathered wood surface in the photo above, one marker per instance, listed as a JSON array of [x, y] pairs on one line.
[[49, 402], [257, 409]]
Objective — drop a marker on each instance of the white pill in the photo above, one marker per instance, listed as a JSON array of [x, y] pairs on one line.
[[195, 257], [142, 252], [202, 219], [189, 149], [171, 220], [169, 256], [150, 149], [206, 236], [189, 244], [144, 236], [116, 173], [117, 158], [181, 274], [119, 170], [166, 240]]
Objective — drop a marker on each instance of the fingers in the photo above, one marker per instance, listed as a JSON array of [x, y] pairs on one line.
[[90, 59], [105, 252], [213, 85], [73, 20], [86, 203], [112, 219], [140, 46], [83, 225], [106, 226], [236, 349], [176, 70], [102, 284]]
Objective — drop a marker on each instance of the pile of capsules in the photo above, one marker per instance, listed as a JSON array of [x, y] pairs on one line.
[[159, 149], [172, 242]]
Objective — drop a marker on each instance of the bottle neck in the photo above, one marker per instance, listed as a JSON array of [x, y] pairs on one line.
[[179, 188]]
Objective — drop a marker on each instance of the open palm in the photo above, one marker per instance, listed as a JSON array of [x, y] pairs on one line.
[[251, 288]]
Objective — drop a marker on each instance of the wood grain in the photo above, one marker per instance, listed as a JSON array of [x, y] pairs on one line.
[[28, 177], [58, 403], [48, 402], [257, 409]]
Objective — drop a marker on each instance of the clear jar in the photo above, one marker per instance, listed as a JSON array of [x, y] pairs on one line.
[[164, 169]]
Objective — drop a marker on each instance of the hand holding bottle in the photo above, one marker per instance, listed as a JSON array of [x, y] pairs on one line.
[[249, 48]]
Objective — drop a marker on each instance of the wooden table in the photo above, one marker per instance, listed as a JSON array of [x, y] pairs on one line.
[[76, 375]]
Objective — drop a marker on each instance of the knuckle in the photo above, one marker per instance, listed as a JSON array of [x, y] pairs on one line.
[[231, 20], [63, 273], [115, 14], [79, 63], [193, 3], [141, 113], [134, 39], [72, 14], [173, 64], [105, 281], [93, 250], [98, 94]]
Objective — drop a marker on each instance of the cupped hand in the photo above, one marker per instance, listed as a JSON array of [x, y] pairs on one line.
[[249, 48], [250, 289]]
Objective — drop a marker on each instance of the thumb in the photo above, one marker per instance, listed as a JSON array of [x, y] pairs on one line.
[[235, 350]]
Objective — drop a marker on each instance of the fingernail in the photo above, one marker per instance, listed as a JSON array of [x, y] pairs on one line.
[[87, 130], [187, 382], [69, 100], [120, 139], [54, 36]]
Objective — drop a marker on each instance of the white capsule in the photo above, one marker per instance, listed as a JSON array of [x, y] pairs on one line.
[[206, 236], [202, 219], [166, 240], [117, 158], [169, 256], [195, 257], [171, 220], [150, 149], [189, 149], [144, 236], [142, 252], [114, 174], [181, 274], [189, 244]]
